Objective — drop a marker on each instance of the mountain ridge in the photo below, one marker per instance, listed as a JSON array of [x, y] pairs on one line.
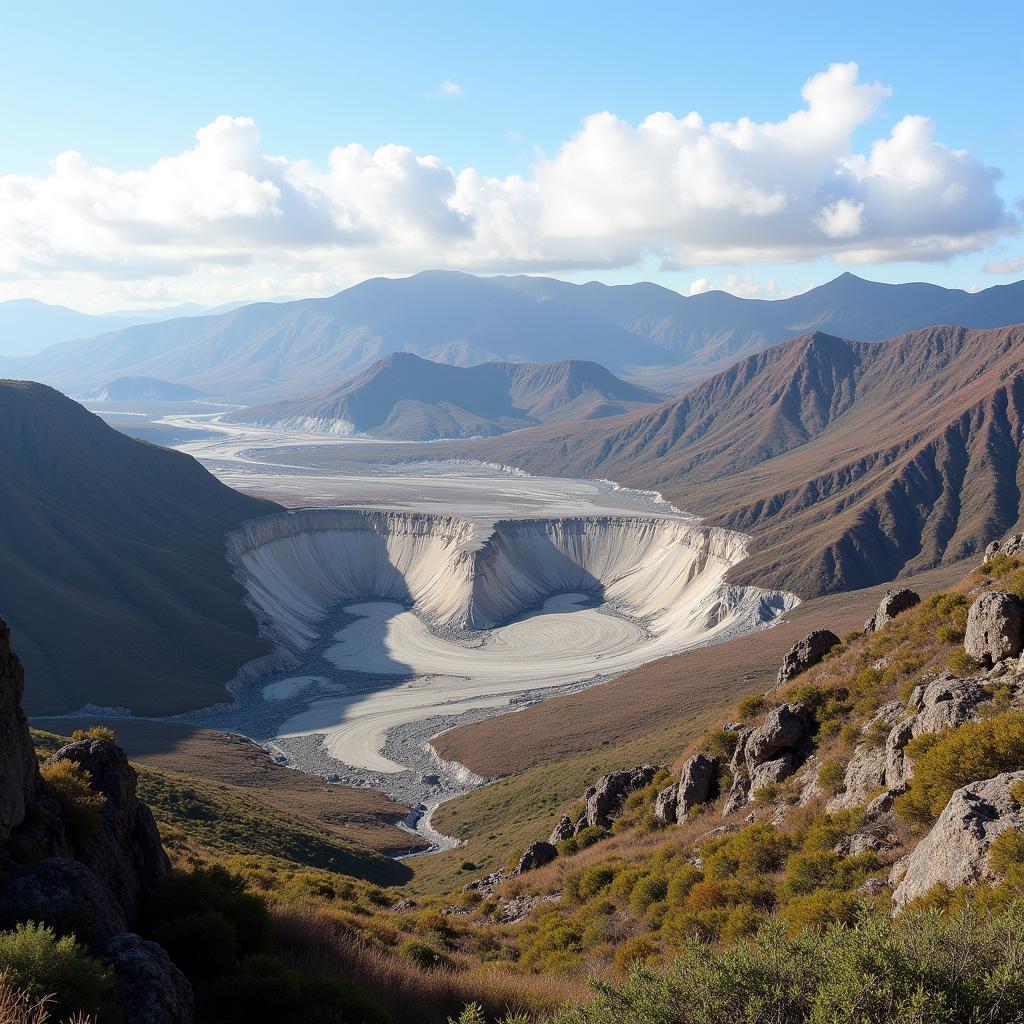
[[269, 351], [403, 396]]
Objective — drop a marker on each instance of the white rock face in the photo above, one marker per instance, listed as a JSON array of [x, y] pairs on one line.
[[419, 582]]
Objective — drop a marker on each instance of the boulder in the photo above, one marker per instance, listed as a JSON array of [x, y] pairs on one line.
[[784, 727], [19, 770], [607, 797], [150, 989], [125, 852], [894, 602], [955, 851], [697, 782], [537, 855], [771, 773], [1012, 546], [994, 627], [666, 805], [805, 653], [565, 829], [65, 895]]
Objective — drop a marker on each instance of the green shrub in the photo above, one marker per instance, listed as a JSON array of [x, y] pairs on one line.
[[206, 920], [1006, 856], [949, 634], [264, 989], [81, 806], [831, 775], [751, 706], [946, 761], [34, 959], [721, 743], [962, 664], [201, 942], [95, 732], [424, 955], [820, 908], [649, 889], [767, 795], [583, 839]]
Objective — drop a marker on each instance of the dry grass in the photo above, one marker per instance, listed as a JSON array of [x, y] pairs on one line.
[[18, 1006], [313, 941]]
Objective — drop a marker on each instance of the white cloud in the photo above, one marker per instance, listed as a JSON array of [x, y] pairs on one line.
[[446, 88], [677, 189], [1011, 266], [745, 286]]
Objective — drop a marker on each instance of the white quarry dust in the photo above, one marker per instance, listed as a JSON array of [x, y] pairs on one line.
[[467, 616]]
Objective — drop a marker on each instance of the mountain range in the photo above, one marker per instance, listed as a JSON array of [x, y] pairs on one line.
[[404, 397], [114, 577], [849, 462], [655, 336], [27, 326]]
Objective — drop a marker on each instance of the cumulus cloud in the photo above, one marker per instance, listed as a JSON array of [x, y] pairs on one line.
[[674, 188]]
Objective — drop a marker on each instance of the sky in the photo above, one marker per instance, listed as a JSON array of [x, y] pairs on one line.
[[159, 153]]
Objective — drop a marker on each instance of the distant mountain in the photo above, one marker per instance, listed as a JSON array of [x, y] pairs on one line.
[[849, 462], [405, 397], [270, 351], [27, 326], [114, 577], [708, 332], [144, 389]]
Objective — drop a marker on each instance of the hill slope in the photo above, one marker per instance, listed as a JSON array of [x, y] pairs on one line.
[[114, 579], [271, 351], [405, 397], [849, 462], [147, 389]]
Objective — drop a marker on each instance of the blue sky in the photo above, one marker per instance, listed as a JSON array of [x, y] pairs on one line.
[[126, 85]]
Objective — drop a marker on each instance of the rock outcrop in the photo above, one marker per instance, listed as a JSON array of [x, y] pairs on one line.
[[994, 627], [606, 798], [125, 852], [565, 829], [537, 854], [1012, 547], [19, 775], [697, 784], [770, 753], [805, 653], [91, 888], [150, 988], [895, 601], [955, 851], [946, 702]]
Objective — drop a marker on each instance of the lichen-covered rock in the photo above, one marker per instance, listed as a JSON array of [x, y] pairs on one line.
[[537, 854], [666, 805], [65, 895], [955, 851], [994, 627], [805, 653], [125, 852], [895, 601], [565, 829], [606, 798], [19, 770], [150, 988]]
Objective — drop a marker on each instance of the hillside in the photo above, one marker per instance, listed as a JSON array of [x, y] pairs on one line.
[[849, 462], [405, 397], [272, 351], [143, 389], [115, 581]]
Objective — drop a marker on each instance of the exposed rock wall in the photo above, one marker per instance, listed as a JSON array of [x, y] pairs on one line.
[[19, 773]]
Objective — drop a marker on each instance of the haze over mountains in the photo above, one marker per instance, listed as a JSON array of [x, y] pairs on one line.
[[270, 351], [405, 397], [27, 326], [114, 578], [849, 462]]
